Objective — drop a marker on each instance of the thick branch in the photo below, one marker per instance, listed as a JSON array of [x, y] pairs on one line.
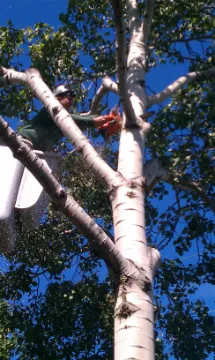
[[121, 60], [64, 121], [106, 86], [8, 77], [133, 14], [109, 84], [65, 203], [178, 84], [153, 172], [136, 65], [147, 22], [101, 92]]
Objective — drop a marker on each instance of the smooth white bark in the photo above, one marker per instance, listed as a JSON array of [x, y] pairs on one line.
[[134, 314], [134, 333], [121, 65], [147, 21], [133, 15], [110, 84], [10, 76], [134, 327], [136, 68]]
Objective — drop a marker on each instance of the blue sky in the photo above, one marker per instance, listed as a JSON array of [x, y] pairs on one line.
[[27, 12]]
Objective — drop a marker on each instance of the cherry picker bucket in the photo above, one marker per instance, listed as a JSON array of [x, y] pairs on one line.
[[22, 197]]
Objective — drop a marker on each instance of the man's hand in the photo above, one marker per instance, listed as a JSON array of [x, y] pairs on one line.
[[100, 120]]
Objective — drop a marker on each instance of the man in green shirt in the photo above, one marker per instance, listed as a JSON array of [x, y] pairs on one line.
[[42, 131]]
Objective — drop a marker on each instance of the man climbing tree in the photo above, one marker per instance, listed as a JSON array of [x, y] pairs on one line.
[[42, 131]]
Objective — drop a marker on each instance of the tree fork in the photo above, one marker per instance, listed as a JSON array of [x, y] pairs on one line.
[[65, 203]]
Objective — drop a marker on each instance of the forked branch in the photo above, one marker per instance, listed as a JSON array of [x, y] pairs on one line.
[[64, 202], [62, 119]]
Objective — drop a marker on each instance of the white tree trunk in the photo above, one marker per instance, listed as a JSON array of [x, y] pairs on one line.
[[134, 315], [134, 318]]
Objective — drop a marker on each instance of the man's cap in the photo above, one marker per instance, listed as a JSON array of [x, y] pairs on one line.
[[62, 89]]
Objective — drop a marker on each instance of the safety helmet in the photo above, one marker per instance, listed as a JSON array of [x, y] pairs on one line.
[[63, 89]]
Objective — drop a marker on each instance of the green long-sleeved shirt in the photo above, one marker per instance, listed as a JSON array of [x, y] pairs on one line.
[[44, 133]]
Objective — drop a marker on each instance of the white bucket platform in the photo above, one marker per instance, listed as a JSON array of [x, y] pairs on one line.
[[22, 197]]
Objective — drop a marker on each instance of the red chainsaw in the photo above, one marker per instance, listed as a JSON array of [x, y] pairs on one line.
[[113, 124]]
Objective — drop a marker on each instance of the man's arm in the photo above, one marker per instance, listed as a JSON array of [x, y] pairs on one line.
[[88, 121]]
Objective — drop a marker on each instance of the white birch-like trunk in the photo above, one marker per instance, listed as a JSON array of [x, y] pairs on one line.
[[134, 319], [134, 314]]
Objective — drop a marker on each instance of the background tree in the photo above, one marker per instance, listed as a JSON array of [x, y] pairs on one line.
[[182, 139]]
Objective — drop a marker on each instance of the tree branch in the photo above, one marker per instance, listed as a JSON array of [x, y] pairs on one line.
[[155, 260], [121, 60], [177, 54], [199, 38], [106, 86], [190, 186], [154, 172], [179, 40], [133, 14], [147, 21], [63, 120], [164, 242], [65, 203], [136, 66], [110, 84], [7, 77], [101, 92], [178, 84]]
